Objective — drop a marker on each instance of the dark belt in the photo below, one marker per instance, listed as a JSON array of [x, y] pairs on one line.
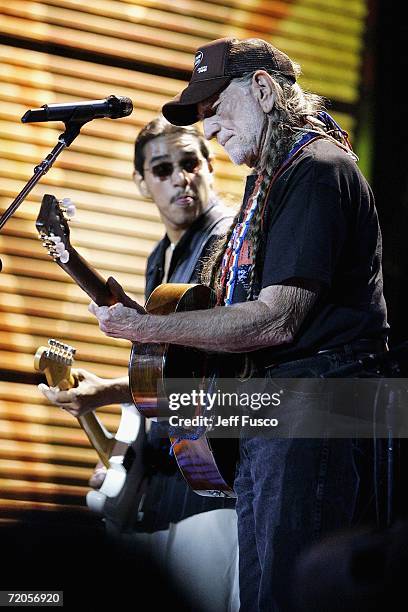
[[364, 345]]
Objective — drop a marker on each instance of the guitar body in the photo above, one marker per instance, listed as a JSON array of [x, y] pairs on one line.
[[151, 364], [208, 467]]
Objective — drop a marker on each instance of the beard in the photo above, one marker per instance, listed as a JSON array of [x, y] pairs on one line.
[[240, 151], [245, 147], [237, 153]]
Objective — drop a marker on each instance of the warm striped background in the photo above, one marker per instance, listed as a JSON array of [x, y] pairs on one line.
[[61, 50]]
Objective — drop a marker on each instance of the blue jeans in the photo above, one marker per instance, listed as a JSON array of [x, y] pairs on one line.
[[293, 491]]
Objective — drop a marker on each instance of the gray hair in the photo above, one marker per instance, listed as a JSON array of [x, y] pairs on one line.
[[284, 125], [293, 108]]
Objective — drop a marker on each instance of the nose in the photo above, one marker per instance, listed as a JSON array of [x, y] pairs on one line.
[[180, 177], [210, 127]]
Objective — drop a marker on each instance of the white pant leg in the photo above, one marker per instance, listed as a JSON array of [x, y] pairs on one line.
[[201, 554]]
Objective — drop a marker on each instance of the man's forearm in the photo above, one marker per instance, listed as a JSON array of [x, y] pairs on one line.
[[117, 391], [242, 327], [273, 319]]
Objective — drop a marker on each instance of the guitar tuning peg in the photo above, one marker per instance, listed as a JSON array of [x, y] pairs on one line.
[[54, 239], [68, 207], [64, 257], [71, 210], [59, 248]]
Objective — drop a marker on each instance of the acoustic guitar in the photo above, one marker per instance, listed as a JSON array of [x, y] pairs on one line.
[[208, 466], [117, 452]]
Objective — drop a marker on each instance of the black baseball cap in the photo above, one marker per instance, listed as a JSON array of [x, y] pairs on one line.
[[216, 64]]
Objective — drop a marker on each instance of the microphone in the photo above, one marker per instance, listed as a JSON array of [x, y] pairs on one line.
[[112, 107]]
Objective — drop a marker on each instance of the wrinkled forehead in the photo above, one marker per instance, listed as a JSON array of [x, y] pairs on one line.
[[171, 147]]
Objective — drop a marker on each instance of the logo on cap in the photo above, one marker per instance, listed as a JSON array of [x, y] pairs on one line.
[[198, 58]]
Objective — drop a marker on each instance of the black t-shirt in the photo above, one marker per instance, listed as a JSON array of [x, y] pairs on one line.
[[321, 224]]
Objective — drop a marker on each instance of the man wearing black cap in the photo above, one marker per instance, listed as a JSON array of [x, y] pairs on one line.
[[299, 287]]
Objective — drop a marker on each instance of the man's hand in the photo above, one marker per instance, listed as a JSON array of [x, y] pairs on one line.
[[123, 319], [91, 392], [98, 476], [118, 321], [118, 292]]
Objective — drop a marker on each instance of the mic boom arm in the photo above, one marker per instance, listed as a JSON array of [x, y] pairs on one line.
[[112, 106]]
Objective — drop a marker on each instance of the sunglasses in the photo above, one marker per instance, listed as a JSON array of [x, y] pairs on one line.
[[164, 170]]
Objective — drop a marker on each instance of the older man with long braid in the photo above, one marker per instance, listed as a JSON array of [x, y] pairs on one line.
[[299, 287]]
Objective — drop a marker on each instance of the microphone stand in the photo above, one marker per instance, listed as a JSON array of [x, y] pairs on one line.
[[72, 129]]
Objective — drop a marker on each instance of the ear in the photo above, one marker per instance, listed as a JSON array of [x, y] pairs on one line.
[[263, 90], [141, 184]]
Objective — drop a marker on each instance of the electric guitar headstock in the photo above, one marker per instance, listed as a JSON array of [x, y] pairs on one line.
[[55, 361], [52, 225]]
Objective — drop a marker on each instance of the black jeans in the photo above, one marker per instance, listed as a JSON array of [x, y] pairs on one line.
[[292, 491]]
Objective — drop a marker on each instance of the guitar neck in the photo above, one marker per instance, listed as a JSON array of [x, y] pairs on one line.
[[88, 279], [95, 286], [99, 437]]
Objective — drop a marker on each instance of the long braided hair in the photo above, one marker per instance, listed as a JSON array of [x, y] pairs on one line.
[[293, 108]]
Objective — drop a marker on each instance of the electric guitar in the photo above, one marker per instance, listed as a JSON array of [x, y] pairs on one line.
[[208, 467], [117, 452]]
